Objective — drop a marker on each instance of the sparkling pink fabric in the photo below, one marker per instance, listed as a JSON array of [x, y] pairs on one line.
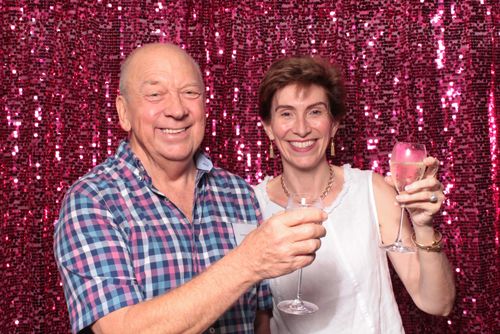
[[422, 70]]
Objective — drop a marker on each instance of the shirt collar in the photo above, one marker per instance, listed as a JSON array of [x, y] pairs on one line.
[[202, 160]]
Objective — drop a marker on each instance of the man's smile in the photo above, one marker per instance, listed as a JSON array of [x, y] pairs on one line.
[[173, 131]]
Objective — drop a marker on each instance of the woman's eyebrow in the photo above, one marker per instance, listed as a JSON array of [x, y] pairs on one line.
[[285, 106]]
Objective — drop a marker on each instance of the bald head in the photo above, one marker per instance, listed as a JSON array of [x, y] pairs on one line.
[[139, 53]]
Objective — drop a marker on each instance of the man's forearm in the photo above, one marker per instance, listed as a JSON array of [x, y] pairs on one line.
[[191, 308], [283, 244]]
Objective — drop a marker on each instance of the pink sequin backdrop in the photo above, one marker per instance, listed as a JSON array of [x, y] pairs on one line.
[[420, 69]]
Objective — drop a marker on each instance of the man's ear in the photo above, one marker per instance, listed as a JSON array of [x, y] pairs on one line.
[[123, 114]]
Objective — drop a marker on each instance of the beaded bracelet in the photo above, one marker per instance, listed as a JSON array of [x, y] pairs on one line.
[[434, 247]]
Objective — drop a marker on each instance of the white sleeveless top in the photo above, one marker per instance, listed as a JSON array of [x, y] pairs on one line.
[[349, 280]]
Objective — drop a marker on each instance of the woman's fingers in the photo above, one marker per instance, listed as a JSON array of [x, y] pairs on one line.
[[426, 197], [432, 167]]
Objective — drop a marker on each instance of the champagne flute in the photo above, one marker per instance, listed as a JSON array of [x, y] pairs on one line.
[[407, 166], [298, 306]]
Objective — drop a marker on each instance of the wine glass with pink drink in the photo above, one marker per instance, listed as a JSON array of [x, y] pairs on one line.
[[407, 166]]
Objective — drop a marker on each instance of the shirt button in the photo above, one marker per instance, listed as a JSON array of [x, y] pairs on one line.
[[211, 330]]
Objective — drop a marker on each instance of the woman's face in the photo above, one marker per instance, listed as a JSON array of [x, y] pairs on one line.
[[301, 125]]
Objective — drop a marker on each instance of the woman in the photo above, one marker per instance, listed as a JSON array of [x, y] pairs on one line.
[[301, 102]]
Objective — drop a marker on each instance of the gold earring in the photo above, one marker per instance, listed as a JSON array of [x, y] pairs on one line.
[[332, 149], [271, 150]]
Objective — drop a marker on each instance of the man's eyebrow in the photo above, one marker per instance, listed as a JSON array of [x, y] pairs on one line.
[[157, 82], [150, 82], [191, 84]]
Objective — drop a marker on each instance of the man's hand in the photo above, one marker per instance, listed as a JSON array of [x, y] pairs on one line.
[[284, 243]]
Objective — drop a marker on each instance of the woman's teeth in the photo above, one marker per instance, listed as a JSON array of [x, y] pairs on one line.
[[302, 144]]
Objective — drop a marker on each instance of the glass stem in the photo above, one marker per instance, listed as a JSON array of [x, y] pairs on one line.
[[398, 240], [299, 287]]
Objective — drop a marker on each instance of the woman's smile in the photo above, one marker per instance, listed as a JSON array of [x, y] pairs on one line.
[[302, 144]]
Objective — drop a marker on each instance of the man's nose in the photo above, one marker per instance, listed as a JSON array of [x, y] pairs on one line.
[[174, 106]]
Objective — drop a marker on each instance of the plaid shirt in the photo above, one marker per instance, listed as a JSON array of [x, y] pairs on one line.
[[120, 241]]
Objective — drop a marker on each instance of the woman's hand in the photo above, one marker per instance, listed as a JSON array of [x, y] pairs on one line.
[[423, 198], [427, 276]]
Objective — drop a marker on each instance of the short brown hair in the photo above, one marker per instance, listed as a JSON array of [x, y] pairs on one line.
[[303, 71]]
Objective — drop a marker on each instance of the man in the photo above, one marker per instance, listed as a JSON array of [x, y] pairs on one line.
[[146, 241]]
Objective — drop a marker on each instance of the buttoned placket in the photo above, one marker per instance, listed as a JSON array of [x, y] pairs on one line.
[[197, 216]]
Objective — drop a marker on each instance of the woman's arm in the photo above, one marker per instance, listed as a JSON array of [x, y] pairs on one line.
[[427, 276]]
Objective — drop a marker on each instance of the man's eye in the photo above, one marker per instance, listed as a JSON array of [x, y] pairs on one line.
[[191, 94], [153, 95]]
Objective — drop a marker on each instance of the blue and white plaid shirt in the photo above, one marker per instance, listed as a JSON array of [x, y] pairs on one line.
[[120, 241]]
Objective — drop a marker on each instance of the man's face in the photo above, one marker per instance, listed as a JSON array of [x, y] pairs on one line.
[[165, 109]]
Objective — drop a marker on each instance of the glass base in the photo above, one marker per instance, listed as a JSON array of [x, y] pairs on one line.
[[398, 247], [297, 306]]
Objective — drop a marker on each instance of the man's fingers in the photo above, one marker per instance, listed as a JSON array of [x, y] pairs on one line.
[[309, 246], [303, 261], [308, 231], [285, 242], [302, 216]]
